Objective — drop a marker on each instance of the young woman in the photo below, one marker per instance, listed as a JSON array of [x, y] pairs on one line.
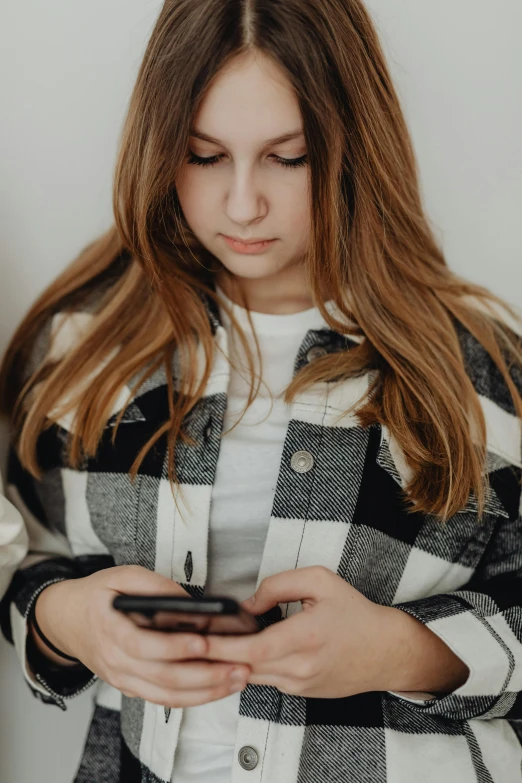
[[265, 380]]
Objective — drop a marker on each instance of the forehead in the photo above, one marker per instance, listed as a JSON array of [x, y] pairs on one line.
[[251, 101]]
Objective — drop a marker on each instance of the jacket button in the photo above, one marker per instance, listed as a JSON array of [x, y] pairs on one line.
[[248, 757], [316, 353], [302, 461]]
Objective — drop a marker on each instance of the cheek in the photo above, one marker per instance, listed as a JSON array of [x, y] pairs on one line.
[[197, 200], [294, 213]]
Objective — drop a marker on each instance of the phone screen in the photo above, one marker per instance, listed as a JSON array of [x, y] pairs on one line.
[[196, 623]]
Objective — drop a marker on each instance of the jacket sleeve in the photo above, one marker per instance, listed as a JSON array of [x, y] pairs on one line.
[[482, 624], [49, 559]]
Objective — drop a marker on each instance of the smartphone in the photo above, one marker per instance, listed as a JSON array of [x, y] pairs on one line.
[[187, 615]]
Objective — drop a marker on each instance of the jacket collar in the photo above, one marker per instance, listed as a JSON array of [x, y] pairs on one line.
[[138, 410], [150, 401]]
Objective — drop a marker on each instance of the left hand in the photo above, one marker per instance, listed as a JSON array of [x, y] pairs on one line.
[[339, 645]]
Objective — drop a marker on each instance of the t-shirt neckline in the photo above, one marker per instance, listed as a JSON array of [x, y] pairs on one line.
[[273, 323]]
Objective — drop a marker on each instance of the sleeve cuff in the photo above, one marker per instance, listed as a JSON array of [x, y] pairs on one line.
[[48, 682], [475, 641], [414, 697]]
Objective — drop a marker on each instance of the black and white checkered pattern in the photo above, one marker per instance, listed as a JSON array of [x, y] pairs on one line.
[[462, 580]]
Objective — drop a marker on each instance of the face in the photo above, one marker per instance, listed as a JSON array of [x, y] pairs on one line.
[[241, 180]]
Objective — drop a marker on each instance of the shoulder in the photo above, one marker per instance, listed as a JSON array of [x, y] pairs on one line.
[[63, 329], [486, 377], [504, 427], [60, 334]]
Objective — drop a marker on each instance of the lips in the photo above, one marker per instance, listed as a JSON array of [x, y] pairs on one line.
[[255, 241], [249, 247]]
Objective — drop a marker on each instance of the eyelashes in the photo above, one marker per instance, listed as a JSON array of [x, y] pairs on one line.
[[288, 163]]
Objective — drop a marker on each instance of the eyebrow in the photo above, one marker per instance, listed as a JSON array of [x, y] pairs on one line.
[[277, 140]]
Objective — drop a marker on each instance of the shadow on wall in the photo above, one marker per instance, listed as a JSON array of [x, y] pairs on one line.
[[13, 304], [54, 738], [38, 743]]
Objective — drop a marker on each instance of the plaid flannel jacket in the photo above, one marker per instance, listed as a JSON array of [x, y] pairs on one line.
[[462, 580]]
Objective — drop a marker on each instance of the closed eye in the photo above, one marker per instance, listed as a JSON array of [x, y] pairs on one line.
[[290, 163]]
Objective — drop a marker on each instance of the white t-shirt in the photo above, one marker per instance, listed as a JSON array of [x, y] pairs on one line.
[[242, 498]]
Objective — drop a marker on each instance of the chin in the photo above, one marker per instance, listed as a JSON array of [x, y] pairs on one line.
[[251, 268]]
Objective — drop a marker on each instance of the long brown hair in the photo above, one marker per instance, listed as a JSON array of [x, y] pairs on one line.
[[371, 248]]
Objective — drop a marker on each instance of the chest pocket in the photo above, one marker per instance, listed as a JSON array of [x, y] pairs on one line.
[[128, 516], [113, 502], [123, 511]]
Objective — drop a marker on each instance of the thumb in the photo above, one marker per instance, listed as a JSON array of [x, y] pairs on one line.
[[301, 584], [136, 579]]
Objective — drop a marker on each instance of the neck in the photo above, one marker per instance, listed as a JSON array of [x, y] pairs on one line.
[[280, 294]]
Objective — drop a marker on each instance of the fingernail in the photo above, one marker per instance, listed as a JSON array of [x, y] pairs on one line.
[[251, 601], [237, 681]]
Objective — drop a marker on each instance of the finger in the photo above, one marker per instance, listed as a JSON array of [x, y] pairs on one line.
[[300, 666], [151, 645], [134, 686], [275, 642], [295, 674], [288, 685], [297, 585], [137, 580], [188, 676], [283, 684]]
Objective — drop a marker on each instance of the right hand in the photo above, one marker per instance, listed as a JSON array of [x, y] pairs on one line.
[[77, 616]]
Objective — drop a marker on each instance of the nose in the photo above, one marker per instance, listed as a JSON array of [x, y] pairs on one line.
[[245, 202]]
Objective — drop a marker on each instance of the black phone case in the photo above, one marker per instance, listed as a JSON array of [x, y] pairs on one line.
[[219, 615], [150, 604], [144, 610]]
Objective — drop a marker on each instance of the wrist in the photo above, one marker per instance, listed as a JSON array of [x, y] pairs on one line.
[[51, 617], [418, 660]]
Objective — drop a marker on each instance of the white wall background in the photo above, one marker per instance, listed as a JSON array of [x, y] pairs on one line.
[[66, 71]]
